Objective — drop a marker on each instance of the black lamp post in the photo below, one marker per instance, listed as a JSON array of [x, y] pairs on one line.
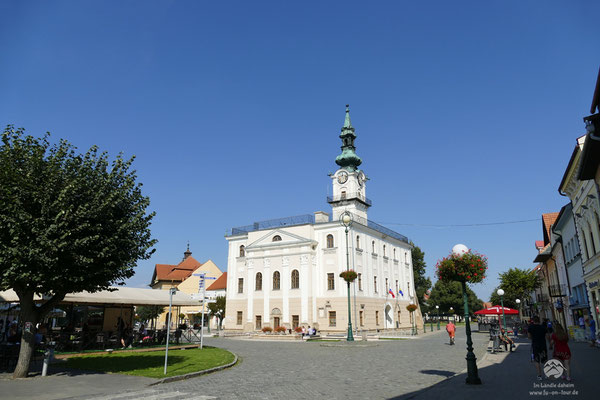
[[472, 374], [346, 221], [437, 309]]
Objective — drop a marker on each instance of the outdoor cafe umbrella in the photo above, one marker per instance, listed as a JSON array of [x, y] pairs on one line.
[[497, 310]]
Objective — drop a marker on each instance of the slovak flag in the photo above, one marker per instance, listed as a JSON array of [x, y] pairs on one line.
[[400, 292], [392, 293]]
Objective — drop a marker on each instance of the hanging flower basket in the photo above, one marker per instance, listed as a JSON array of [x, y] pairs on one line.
[[469, 267], [349, 275], [411, 307]]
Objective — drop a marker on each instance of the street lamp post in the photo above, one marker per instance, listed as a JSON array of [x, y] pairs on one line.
[[431, 322], [346, 221], [519, 307], [452, 313], [472, 375], [437, 309], [501, 294]]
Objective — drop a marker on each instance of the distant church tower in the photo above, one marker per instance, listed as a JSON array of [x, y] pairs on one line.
[[349, 183]]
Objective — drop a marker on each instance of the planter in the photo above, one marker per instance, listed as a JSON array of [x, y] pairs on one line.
[[349, 275], [469, 267]]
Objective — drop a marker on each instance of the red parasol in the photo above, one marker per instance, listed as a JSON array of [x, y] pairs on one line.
[[497, 310]]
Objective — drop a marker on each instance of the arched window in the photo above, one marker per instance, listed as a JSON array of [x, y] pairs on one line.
[[357, 242], [373, 247], [277, 238], [258, 281], [330, 241], [295, 279], [384, 250], [242, 251], [276, 280], [394, 254]]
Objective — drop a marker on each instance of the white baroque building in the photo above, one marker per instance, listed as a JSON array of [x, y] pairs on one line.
[[285, 272]]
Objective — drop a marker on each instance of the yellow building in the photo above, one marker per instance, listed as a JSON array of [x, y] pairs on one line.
[[183, 276]]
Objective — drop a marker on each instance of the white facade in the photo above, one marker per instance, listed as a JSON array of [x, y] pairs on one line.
[[286, 272]]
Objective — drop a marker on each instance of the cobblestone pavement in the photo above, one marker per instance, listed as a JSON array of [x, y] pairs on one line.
[[298, 370]]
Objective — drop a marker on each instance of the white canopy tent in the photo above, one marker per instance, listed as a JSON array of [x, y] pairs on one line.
[[120, 295]]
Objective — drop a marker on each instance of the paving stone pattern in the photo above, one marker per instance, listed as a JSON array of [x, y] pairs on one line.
[[292, 370]]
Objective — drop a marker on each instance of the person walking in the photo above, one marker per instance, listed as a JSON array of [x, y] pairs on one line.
[[538, 333], [592, 325], [559, 344], [451, 329]]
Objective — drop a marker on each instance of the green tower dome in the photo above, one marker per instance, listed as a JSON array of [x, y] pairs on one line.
[[348, 159]]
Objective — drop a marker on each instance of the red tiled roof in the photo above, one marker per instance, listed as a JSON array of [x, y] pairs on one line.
[[179, 272], [220, 283], [547, 221], [539, 244]]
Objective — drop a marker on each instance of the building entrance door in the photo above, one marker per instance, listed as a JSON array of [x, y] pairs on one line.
[[275, 322]]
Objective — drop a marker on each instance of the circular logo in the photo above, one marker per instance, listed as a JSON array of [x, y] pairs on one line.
[[553, 368]]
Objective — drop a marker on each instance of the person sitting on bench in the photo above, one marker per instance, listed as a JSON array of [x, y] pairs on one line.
[[506, 340]]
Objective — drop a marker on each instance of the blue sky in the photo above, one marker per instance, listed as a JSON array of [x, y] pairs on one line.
[[465, 112]]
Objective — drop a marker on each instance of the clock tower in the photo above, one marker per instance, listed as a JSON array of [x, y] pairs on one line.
[[349, 191]]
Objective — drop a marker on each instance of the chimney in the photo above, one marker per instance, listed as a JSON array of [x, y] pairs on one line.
[[321, 216]]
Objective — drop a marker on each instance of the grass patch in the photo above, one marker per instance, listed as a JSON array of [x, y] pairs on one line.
[[151, 364]]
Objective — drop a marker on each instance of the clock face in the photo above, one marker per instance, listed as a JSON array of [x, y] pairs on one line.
[[342, 177]]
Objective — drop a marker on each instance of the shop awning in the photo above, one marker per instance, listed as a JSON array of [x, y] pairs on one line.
[[120, 295]]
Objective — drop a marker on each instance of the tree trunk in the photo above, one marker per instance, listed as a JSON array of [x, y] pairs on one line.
[[28, 322]]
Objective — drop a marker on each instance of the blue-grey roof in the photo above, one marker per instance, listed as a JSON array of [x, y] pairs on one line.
[[309, 219]]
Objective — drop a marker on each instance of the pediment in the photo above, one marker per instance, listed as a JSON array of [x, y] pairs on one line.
[[287, 239]]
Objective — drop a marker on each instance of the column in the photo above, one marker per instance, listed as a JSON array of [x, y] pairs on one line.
[[248, 287], [285, 289], [304, 288], [267, 283]]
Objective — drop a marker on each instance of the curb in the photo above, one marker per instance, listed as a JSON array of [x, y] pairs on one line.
[[195, 374], [349, 345]]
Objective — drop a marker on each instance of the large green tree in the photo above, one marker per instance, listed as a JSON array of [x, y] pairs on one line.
[[217, 309], [422, 283], [449, 294], [69, 222], [517, 284]]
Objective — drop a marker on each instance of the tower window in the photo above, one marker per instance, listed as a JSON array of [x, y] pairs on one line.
[[277, 238], [384, 250], [357, 242], [329, 241], [373, 246]]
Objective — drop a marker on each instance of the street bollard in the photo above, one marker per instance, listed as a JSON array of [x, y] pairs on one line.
[[47, 358]]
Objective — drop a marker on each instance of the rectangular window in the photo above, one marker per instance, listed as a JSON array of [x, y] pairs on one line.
[[376, 317], [362, 321], [398, 320], [239, 318], [295, 321], [359, 281], [387, 287], [241, 285], [258, 322], [332, 320], [330, 281], [375, 283], [397, 292]]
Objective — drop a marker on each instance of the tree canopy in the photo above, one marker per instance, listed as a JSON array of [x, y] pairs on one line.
[[517, 284], [69, 222], [449, 294], [217, 309], [422, 283]]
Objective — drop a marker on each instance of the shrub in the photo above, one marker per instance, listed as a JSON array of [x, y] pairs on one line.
[[267, 329]]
